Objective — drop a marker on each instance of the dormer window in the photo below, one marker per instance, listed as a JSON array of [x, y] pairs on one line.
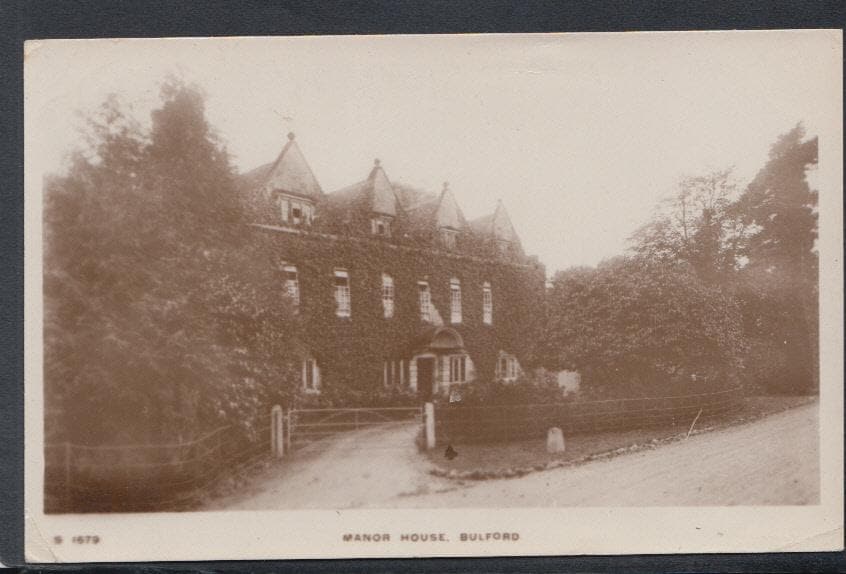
[[381, 226], [504, 247], [448, 238], [295, 211]]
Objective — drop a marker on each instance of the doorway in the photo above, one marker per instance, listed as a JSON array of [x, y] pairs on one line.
[[425, 377]]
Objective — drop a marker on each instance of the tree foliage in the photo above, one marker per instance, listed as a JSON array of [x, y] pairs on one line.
[[696, 227], [162, 317], [779, 287], [720, 283], [635, 327]]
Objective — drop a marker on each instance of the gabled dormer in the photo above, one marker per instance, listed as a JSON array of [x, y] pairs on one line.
[[368, 207], [383, 201], [496, 230], [448, 219], [436, 220], [291, 186]]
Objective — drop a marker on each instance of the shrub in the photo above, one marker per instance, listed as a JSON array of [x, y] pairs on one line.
[[525, 390]]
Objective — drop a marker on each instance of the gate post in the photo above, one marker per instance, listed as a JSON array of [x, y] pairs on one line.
[[429, 421], [277, 432], [290, 434]]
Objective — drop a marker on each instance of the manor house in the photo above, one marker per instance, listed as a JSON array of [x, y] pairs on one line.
[[395, 288]]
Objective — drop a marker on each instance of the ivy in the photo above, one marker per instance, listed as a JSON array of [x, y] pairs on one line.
[[351, 351]]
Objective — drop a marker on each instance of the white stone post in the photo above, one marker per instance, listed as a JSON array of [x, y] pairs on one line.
[[277, 431], [429, 419]]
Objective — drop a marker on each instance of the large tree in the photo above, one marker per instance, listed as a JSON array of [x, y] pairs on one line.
[[760, 247], [696, 226], [778, 286], [163, 314]]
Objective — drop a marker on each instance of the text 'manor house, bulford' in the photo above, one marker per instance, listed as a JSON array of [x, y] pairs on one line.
[[395, 287]]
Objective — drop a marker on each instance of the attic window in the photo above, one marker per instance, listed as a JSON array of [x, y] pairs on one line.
[[381, 226], [284, 206], [448, 237], [295, 212], [503, 246]]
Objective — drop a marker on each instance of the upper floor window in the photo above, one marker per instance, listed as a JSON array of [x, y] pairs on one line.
[[448, 238], [343, 304], [455, 301], [487, 304], [425, 301], [388, 295], [292, 283], [381, 226], [295, 211], [507, 367]]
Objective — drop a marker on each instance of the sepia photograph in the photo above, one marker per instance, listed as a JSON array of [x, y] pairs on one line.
[[482, 294]]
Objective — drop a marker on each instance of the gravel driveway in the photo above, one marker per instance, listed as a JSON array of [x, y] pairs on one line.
[[771, 461], [377, 467]]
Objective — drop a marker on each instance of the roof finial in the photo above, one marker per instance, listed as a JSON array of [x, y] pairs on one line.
[[446, 185], [291, 136], [376, 162]]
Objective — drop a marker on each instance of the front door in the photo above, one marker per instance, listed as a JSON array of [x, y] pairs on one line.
[[425, 378]]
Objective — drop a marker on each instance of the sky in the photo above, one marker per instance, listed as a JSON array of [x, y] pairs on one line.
[[580, 135]]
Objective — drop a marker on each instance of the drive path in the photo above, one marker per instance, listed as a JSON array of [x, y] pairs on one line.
[[377, 467], [771, 461]]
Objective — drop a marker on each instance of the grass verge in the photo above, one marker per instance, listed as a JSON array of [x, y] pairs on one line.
[[480, 461]]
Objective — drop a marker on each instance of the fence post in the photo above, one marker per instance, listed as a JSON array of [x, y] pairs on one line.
[[277, 432], [429, 420]]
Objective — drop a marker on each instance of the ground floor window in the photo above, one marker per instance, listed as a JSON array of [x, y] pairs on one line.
[[311, 375], [507, 367], [457, 369], [394, 373]]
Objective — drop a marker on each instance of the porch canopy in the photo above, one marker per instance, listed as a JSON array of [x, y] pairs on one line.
[[438, 340]]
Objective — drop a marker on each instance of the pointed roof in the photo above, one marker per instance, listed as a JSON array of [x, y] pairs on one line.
[[384, 198], [434, 212], [448, 213], [496, 224], [290, 173], [376, 191]]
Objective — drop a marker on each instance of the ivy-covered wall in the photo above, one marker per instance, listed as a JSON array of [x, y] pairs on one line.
[[351, 351]]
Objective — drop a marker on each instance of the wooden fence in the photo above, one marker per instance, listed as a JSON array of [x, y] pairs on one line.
[[455, 423], [308, 426], [153, 477]]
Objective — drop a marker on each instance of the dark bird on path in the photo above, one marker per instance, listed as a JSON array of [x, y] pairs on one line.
[[450, 452]]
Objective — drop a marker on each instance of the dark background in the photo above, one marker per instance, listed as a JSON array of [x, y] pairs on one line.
[[22, 19]]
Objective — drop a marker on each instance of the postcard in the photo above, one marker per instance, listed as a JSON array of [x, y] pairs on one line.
[[433, 295]]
